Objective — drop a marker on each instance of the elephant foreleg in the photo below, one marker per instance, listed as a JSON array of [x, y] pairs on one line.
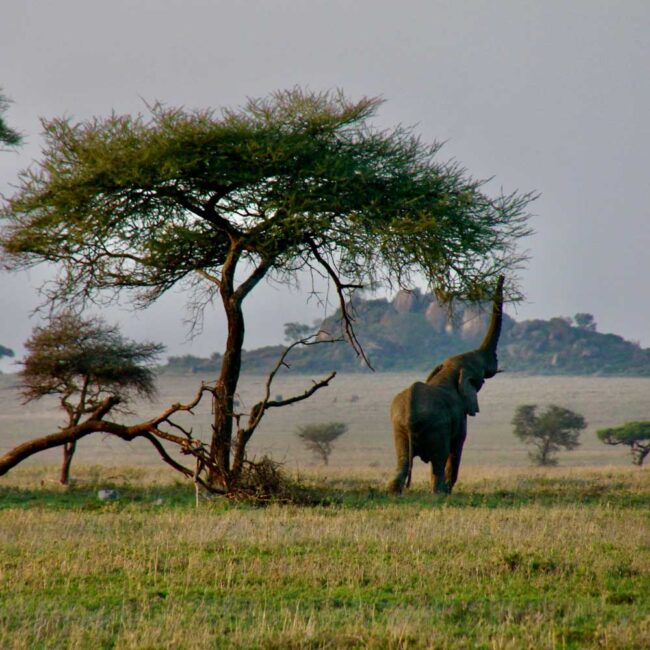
[[439, 482]]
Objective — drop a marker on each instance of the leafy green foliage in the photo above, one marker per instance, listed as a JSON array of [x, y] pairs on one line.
[[634, 434], [320, 438], [191, 363], [297, 331], [130, 203], [554, 429], [585, 321]]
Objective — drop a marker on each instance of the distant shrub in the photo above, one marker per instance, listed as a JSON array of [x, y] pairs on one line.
[[320, 438], [6, 352], [554, 429]]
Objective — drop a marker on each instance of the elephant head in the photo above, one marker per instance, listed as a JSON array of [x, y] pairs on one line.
[[469, 384], [430, 418]]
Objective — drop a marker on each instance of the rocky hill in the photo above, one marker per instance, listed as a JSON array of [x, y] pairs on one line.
[[414, 332]]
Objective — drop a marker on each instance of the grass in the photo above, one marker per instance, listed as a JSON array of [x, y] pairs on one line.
[[514, 559]]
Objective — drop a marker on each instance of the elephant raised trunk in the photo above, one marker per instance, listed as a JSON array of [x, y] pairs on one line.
[[430, 418], [489, 345]]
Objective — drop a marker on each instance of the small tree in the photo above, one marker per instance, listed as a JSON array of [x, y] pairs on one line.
[[296, 331], [319, 438], [8, 136], [585, 322], [6, 352], [634, 434], [554, 429], [82, 362]]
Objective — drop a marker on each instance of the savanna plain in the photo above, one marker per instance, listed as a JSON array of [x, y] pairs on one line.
[[516, 557]]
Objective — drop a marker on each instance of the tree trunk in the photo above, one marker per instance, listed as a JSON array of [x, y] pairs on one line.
[[223, 403], [68, 452], [544, 451], [639, 453]]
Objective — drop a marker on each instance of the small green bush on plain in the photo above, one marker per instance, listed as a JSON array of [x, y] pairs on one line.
[[320, 438], [555, 429], [636, 435]]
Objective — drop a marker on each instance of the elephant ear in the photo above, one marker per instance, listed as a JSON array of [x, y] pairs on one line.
[[468, 391]]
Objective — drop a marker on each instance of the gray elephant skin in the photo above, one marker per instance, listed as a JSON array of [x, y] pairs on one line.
[[430, 418]]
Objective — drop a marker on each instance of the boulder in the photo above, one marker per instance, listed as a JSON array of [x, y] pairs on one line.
[[108, 495]]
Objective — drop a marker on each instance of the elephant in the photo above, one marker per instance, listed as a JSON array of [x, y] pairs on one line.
[[430, 418]]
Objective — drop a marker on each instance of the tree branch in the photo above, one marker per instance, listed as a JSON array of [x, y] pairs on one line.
[[305, 395], [208, 212], [174, 408], [340, 290], [170, 461], [258, 411], [70, 434], [252, 280]]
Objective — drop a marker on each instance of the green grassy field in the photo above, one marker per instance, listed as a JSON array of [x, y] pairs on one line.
[[516, 558]]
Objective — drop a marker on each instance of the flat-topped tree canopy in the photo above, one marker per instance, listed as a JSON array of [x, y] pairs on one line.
[[296, 180]]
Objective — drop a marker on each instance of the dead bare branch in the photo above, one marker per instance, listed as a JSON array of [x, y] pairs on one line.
[[256, 414], [341, 287]]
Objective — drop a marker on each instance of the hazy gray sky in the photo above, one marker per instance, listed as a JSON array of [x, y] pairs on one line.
[[547, 95]]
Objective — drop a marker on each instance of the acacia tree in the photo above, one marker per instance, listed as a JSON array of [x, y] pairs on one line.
[[554, 429], [634, 434], [216, 202], [82, 362]]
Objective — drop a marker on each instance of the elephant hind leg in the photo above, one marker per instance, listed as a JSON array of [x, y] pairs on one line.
[[401, 479]]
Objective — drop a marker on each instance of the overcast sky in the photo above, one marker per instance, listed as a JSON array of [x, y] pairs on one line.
[[546, 95]]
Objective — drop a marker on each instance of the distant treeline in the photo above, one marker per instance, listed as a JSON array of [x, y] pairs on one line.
[[413, 332]]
